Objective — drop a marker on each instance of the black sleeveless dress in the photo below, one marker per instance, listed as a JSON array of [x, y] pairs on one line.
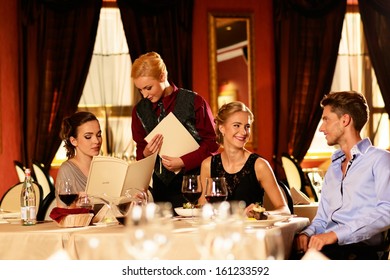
[[242, 185]]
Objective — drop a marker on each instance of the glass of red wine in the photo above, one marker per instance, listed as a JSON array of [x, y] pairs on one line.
[[67, 193], [191, 189], [216, 189]]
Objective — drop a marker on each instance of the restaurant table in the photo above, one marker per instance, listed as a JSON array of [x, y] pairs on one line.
[[43, 240]]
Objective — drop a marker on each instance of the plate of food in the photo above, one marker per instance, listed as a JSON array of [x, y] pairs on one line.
[[259, 217], [187, 212], [270, 221]]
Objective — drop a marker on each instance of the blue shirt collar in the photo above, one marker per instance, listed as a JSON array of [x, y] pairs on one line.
[[359, 149]]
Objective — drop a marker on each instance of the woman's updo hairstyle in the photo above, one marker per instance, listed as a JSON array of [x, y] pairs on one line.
[[149, 65], [69, 129], [225, 112]]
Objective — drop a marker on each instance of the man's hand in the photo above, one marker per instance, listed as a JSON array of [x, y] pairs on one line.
[[301, 242], [318, 241]]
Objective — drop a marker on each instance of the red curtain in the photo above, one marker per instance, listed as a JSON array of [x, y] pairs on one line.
[[57, 39], [375, 16], [163, 26], [307, 36]]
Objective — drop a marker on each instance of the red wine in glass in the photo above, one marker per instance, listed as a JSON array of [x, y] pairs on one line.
[[215, 198], [192, 197], [216, 190], [66, 192], [191, 189], [68, 199]]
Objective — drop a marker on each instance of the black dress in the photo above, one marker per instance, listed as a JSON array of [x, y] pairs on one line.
[[242, 185]]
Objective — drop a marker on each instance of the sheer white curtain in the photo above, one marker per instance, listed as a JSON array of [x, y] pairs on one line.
[[108, 91], [354, 72]]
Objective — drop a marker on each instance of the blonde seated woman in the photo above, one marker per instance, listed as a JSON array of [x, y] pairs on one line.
[[248, 175]]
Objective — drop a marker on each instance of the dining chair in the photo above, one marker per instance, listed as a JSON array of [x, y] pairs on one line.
[[48, 203], [287, 196], [43, 178], [19, 170], [296, 177], [11, 199]]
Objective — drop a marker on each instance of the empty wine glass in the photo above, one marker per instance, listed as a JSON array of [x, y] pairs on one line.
[[84, 201], [66, 192], [216, 189], [191, 189], [265, 244], [148, 230]]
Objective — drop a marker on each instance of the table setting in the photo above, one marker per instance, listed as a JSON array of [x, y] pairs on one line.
[[218, 230]]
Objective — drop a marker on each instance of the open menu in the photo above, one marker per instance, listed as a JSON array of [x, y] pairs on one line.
[[177, 140], [112, 176]]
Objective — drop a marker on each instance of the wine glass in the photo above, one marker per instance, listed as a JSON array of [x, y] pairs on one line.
[[131, 198], [216, 189], [67, 193], [148, 230], [191, 189]]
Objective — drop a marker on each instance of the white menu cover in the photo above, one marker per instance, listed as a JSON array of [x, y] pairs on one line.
[[177, 140], [113, 176]]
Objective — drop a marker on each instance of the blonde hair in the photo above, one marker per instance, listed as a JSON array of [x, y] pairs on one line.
[[225, 112], [149, 65]]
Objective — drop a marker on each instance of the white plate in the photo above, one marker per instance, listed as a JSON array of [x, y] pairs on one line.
[[103, 224], [272, 219], [9, 215], [187, 212]]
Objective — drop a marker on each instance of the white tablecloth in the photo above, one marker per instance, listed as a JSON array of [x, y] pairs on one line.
[[41, 241]]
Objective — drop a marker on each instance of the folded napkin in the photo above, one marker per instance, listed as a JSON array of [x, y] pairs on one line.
[[312, 254], [299, 197], [58, 213]]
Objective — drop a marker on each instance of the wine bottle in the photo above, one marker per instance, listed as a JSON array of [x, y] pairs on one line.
[[28, 201]]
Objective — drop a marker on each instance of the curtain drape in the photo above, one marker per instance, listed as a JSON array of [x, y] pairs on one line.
[[57, 40], [375, 16], [307, 36], [164, 26]]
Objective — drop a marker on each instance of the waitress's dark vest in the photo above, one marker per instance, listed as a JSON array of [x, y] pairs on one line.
[[184, 112]]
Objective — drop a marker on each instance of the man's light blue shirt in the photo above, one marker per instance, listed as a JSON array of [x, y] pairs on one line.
[[356, 207]]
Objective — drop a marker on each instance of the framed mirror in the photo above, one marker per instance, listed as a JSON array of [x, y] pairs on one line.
[[231, 62]]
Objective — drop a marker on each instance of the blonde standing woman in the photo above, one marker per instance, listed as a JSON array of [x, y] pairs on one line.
[[160, 97]]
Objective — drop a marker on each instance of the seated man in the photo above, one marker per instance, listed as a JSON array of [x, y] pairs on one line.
[[354, 212]]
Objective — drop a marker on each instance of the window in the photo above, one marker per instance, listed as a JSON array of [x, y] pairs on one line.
[[354, 72], [108, 92]]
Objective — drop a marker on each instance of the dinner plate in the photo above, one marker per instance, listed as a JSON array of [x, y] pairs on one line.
[[187, 212], [9, 215], [272, 219]]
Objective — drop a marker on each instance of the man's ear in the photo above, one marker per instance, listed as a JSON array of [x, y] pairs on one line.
[[346, 119]]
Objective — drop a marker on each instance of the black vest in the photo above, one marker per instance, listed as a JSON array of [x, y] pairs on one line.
[[184, 112]]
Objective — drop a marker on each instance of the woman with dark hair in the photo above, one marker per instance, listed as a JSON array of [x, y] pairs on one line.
[[82, 136]]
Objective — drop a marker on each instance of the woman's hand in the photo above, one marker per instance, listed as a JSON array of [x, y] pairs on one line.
[[173, 164], [154, 145]]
